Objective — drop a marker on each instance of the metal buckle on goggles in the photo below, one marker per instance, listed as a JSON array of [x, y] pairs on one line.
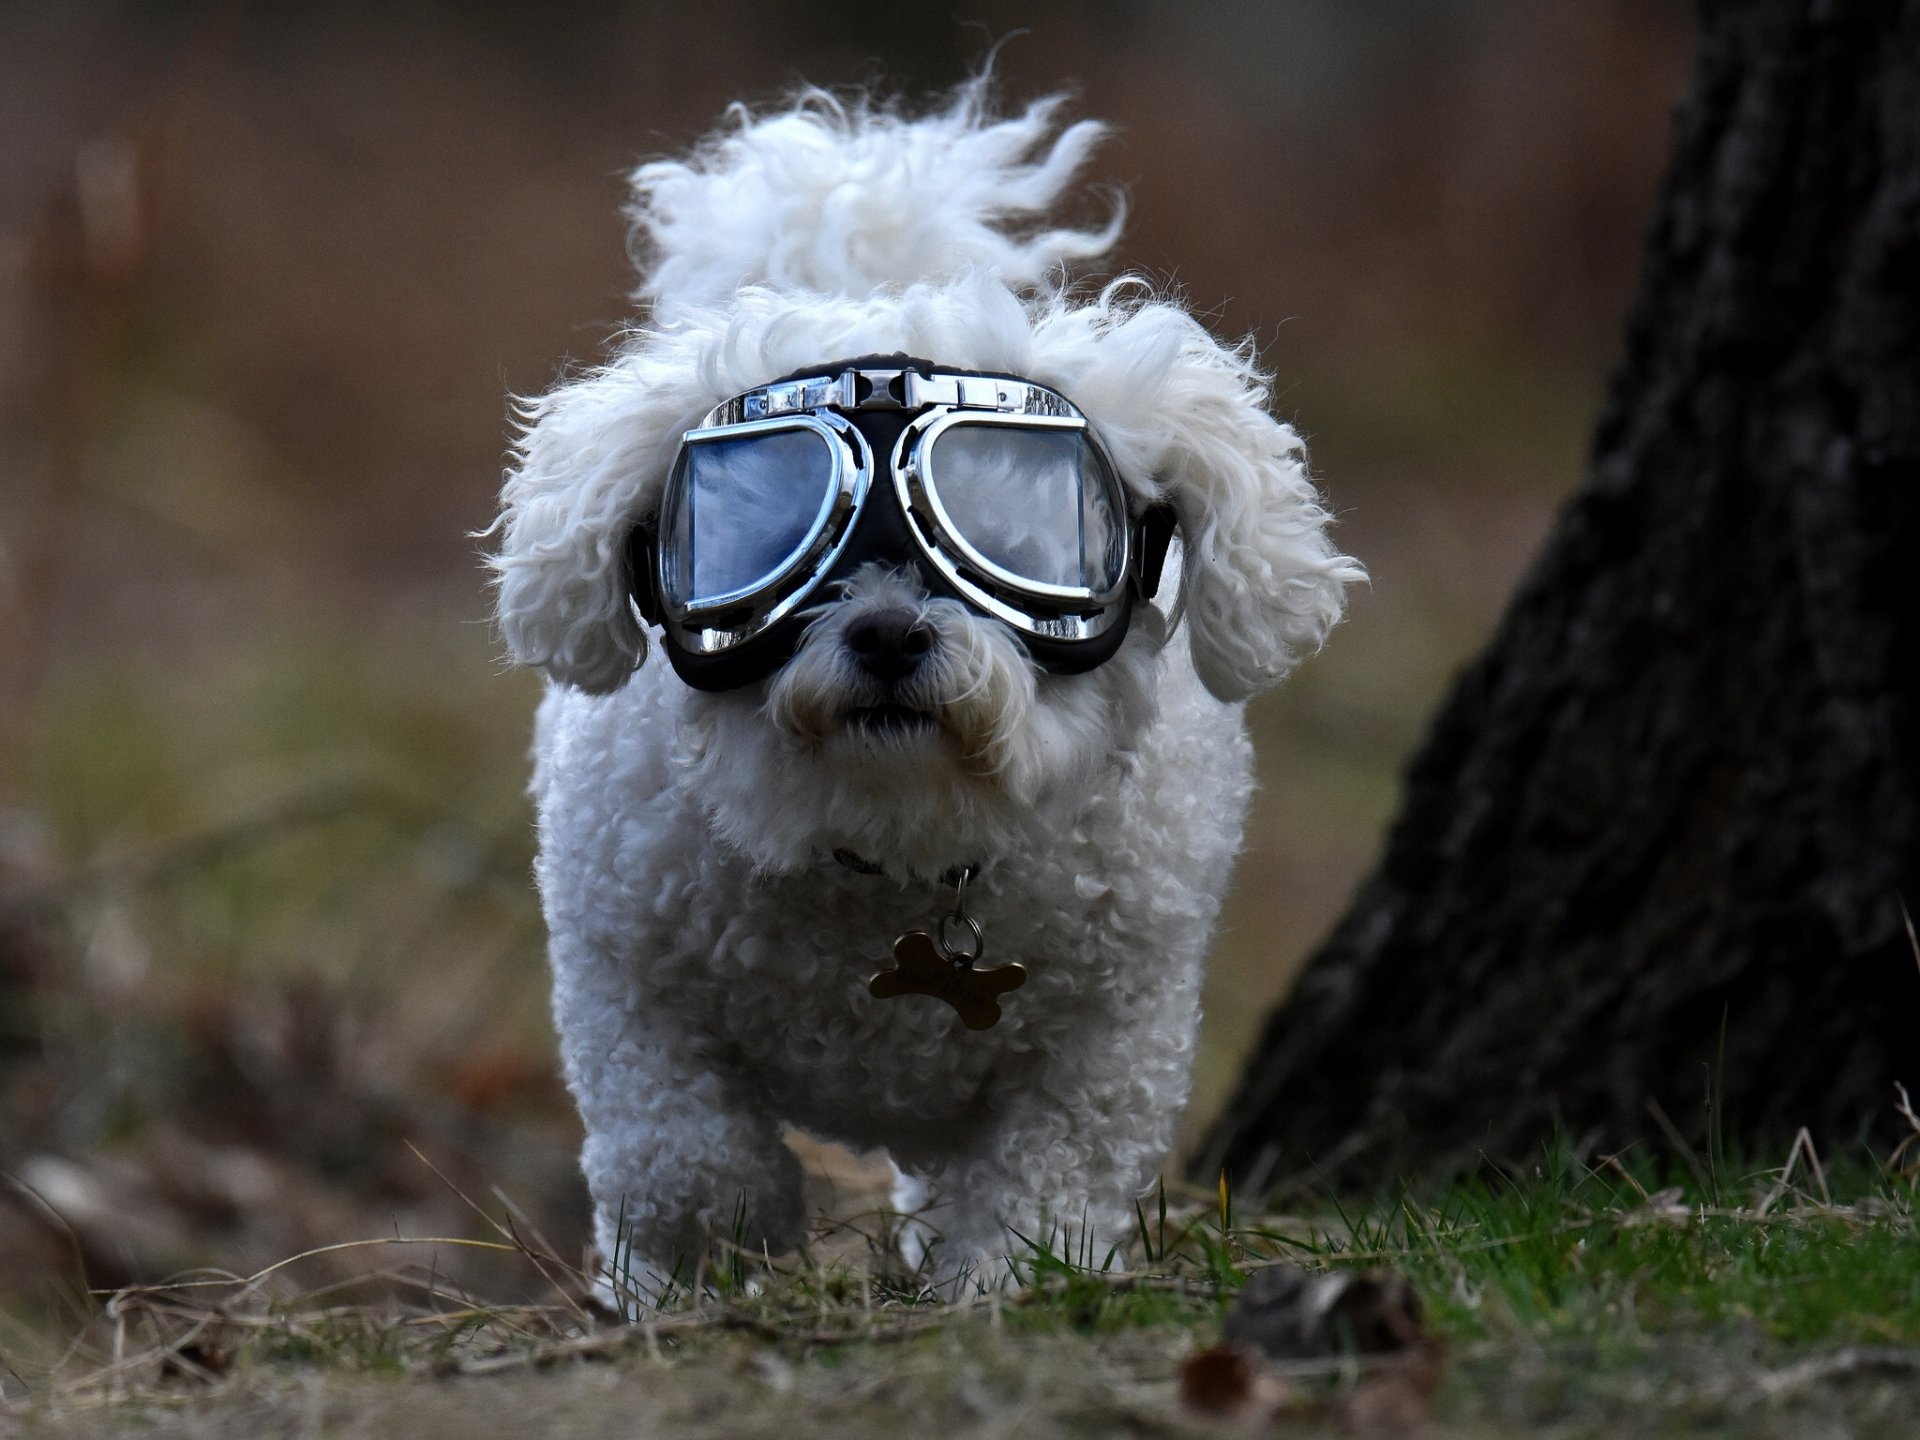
[[1009, 503]]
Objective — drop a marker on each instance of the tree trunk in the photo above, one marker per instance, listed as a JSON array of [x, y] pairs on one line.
[[1673, 806]]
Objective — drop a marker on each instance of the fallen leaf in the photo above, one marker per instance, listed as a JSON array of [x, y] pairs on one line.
[[1230, 1381], [1218, 1381]]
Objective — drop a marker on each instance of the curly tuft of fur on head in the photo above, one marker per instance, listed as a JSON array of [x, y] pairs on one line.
[[846, 198], [866, 233]]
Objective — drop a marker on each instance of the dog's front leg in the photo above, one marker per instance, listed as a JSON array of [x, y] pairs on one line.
[[1071, 1143], [680, 1150]]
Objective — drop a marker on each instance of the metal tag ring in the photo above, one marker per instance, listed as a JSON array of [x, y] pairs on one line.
[[954, 952]]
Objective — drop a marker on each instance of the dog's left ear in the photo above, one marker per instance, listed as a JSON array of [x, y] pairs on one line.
[[1262, 581], [589, 467]]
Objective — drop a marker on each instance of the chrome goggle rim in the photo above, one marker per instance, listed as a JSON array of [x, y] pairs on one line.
[[1083, 613], [722, 624], [711, 626]]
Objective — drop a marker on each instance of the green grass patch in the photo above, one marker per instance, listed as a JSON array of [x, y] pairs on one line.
[[1627, 1252]]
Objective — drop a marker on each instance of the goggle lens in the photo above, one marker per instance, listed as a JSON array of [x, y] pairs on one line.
[[1036, 504], [742, 510]]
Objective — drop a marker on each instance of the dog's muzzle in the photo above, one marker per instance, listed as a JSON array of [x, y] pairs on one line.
[[995, 490]]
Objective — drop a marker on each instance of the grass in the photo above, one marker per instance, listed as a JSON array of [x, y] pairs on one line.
[[1608, 1255], [1564, 1293]]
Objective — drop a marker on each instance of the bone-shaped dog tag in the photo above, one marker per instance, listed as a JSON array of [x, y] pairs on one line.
[[926, 966]]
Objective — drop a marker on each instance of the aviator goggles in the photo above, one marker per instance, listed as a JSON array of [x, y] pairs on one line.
[[993, 488]]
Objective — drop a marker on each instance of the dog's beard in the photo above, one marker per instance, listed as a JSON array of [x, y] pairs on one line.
[[966, 706], [978, 754]]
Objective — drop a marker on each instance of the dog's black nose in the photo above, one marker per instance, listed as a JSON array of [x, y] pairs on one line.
[[888, 644]]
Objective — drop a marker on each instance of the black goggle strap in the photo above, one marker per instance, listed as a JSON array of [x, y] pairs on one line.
[[1153, 533], [640, 575]]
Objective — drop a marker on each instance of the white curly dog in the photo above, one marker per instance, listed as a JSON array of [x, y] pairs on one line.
[[918, 685]]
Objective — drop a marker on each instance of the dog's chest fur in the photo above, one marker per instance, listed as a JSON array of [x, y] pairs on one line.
[[772, 970]]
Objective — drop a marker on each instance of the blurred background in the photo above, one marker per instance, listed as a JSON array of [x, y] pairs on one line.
[[268, 275]]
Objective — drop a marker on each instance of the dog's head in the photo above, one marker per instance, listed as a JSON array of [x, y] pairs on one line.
[[907, 715]]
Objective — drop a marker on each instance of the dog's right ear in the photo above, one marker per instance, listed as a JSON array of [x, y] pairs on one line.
[[589, 465]]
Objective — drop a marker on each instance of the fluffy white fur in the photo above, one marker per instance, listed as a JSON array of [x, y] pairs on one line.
[[710, 958], [844, 202]]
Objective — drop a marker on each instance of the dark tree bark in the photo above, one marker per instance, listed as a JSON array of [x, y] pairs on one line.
[[1676, 798]]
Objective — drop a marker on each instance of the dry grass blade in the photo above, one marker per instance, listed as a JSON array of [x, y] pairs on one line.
[[249, 1283], [175, 1321], [60, 1223], [1803, 1148], [1913, 940], [1897, 1162], [1612, 1162], [163, 1334], [1681, 1148], [1854, 1360], [540, 1261]]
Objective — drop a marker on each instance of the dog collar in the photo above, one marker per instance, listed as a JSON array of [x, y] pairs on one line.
[[860, 865]]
